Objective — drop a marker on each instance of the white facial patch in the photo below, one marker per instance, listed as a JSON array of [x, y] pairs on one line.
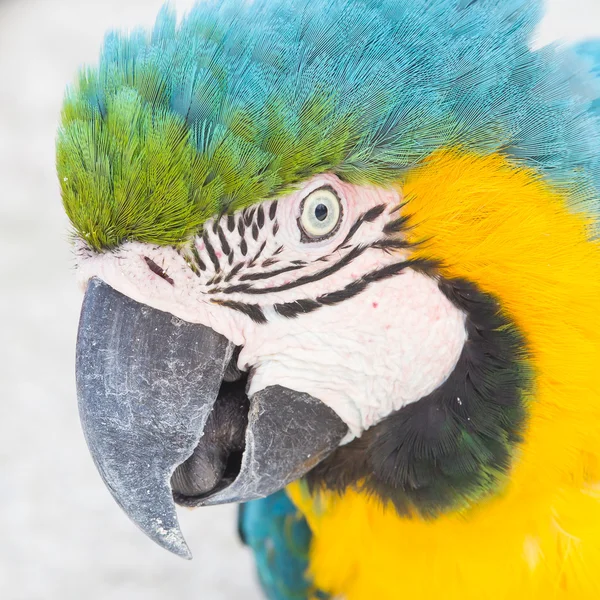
[[366, 357], [342, 317]]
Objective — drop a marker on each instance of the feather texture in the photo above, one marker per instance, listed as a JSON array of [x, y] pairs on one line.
[[280, 539], [539, 538], [241, 101], [590, 52]]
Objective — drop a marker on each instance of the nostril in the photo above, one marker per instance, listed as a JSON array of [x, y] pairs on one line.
[[158, 270]]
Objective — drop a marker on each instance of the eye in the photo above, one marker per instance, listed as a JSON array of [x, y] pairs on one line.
[[320, 214]]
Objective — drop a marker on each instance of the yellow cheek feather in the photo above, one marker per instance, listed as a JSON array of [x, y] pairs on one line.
[[506, 230]]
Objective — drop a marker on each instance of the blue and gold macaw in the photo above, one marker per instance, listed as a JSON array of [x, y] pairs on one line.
[[341, 263]]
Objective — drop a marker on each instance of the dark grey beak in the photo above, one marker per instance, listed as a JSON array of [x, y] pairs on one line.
[[161, 424]]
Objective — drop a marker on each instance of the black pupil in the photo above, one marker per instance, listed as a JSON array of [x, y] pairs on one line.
[[321, 212]]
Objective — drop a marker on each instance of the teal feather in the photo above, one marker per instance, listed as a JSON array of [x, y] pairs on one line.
[[590, 52], [280, 539], [266, 94]]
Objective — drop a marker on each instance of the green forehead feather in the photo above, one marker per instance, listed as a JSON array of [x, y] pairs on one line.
[[237, 104]]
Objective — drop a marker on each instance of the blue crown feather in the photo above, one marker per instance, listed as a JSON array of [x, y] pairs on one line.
[[240, 102]]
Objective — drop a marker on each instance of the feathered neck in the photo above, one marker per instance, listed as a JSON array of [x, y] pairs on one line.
[[519, 240]]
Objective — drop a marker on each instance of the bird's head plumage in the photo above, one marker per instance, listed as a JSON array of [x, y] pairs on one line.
[[326, 239]]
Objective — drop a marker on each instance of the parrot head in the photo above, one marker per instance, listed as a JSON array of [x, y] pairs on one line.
[[311, 238]]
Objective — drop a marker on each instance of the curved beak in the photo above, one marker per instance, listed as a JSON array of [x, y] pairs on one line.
[[162, 425]]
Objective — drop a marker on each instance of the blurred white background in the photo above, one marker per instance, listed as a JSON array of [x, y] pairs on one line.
[[62, 537]]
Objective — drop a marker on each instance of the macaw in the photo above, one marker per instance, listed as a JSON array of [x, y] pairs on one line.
[[341, 263]]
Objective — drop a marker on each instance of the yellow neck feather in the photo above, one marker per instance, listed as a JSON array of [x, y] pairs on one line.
[[506, 230]]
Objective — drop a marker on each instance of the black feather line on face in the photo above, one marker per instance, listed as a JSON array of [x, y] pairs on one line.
[[248, 215], [307, 305], [211, 252], [253, 311], [367, 217], [230, 223], [291, 310], [241, 227], [234, 272], [260, 216], [258, 254], [346, 260], [393, 244], [397, 225], [269, 274], [199, 262], [255, 219], [273, 210], [223, 240], [455, 446]]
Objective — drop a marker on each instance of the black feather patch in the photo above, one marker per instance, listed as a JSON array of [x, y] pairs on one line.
[[455, 446], [253, 311]]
